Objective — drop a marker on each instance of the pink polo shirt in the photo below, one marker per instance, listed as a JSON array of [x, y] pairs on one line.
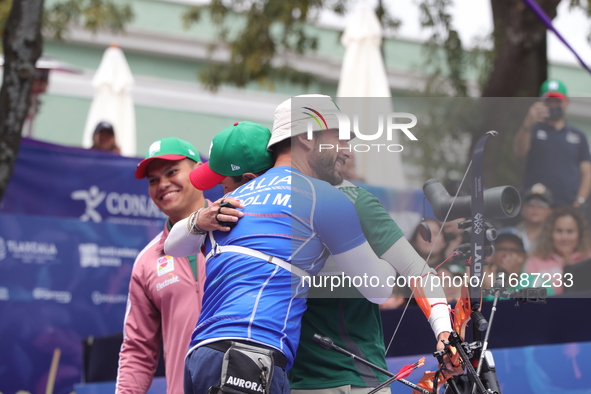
[[164, 303]]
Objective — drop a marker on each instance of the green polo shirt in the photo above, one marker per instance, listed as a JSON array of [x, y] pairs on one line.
[[352, 323]]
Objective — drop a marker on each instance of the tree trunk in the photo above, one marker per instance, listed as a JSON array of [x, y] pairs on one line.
[[22, 47], [519, 68]]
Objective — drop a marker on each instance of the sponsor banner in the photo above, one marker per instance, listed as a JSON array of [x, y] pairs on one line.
[[93, 186], [61, 280]]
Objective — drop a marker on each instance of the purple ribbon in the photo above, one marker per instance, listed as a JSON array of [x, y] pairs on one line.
[[544, 18]]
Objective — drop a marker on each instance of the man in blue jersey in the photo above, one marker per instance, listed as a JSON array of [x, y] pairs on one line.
[[254, 296], [354, 324]]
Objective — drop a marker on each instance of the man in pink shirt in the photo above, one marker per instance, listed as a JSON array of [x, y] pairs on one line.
[[165, 292]]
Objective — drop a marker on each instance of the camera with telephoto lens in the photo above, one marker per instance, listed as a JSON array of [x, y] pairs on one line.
[[499, 202]]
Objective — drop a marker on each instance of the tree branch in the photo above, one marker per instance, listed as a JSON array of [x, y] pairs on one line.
[[22, 47]]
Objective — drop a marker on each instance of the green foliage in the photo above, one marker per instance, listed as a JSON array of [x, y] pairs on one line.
[[481, 58], [585, 6], [388, 21], [93, 15], [445, 136], [5, 6], [268, 28], [446, 125], [445, 58]]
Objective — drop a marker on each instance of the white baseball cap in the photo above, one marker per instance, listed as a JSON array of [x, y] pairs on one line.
[[296, 114]]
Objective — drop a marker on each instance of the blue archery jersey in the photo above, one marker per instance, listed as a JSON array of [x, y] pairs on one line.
[[288, 215]]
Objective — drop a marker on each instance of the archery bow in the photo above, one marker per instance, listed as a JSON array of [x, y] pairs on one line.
[[469, 305]]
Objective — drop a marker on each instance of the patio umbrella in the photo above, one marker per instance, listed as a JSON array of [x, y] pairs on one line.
[[112, 101], [363, 76]]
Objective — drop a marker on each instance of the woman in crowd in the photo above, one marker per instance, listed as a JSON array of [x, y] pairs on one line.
[[423, 247], [564, 241], [453, 235], [449, 269]]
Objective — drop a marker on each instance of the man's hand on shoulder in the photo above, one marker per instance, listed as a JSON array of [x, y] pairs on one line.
[[210, 218]]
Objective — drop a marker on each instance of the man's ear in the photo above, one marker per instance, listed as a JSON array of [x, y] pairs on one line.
[[248, 177], [303, 139], [194, 164]]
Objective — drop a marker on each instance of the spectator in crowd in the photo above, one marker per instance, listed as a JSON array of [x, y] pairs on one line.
[[453, 236], [164, 292], [565, 240], [536, 208], [437, 247], [508, 258], [557, 155], [104, 138], [424, 247]]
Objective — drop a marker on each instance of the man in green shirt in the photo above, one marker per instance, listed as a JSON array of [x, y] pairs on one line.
[[354, 323]]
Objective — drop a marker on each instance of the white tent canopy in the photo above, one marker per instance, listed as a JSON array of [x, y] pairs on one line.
[[112, 101], [363, 75]]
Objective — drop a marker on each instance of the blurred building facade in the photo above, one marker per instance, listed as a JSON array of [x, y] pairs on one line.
[[165, 58]]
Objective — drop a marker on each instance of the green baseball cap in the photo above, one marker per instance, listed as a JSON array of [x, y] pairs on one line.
[[553, 88], [170, 148], [234, 151]]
